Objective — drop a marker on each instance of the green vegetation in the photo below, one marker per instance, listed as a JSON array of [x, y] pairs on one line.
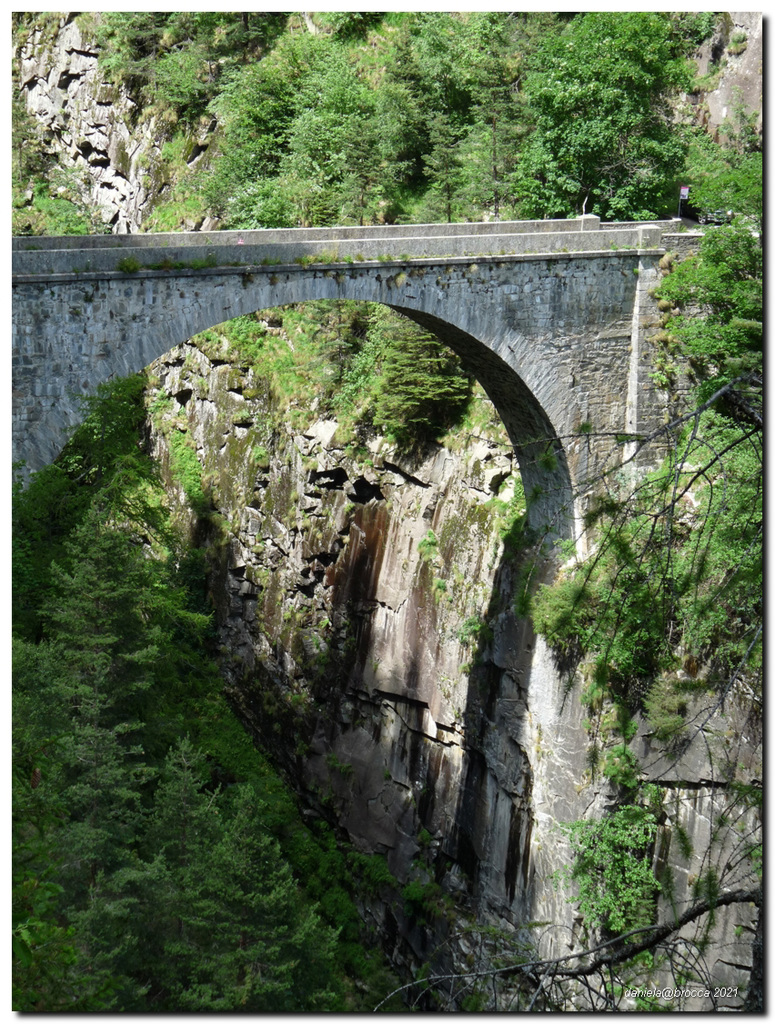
[[176, 60], [53, 215], [370, 368], [47, 199], [422, 389], [435, 128], [724, 280], [428, 547], [616, 886], [129, 265], [604, 140], [512, 519], [156, 854], [682, 588], [474, 630], [391, 118], [665, 617], [159, 863], [187, 469]]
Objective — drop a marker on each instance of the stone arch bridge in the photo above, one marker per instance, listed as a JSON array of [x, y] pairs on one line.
[[550, 316]]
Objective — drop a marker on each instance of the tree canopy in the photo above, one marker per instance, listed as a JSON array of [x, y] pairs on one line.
[[599, 99], [142, 882]]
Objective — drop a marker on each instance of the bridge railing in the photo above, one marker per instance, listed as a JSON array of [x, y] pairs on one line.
[[198, 250]]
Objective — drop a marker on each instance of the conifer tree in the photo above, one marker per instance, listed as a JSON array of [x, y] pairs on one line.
[[227, 927], [422, 386]]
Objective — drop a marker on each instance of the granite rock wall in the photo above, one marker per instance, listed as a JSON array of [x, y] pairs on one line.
[[94, 127], [365, 604]]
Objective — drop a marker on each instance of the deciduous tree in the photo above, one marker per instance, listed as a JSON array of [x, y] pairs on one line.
[[604, 140]]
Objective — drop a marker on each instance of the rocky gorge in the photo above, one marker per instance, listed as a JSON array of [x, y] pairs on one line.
[[372, 627], [372, 643]]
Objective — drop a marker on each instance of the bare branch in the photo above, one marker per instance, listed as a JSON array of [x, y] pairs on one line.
[[603, 956]]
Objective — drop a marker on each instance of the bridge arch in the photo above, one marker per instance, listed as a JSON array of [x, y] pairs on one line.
[[538, 450], [551, 337]]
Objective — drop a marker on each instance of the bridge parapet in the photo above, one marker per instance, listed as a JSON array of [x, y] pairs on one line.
[[271, 236], [42, 256]]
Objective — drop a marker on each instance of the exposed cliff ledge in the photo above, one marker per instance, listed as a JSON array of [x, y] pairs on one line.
[[736, 53], [87, 122], [365, 605]]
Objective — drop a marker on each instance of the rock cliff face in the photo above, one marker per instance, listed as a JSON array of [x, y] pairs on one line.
[[737, 51], [366, 608], [94, 127], [89, 123], [359, 597]]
